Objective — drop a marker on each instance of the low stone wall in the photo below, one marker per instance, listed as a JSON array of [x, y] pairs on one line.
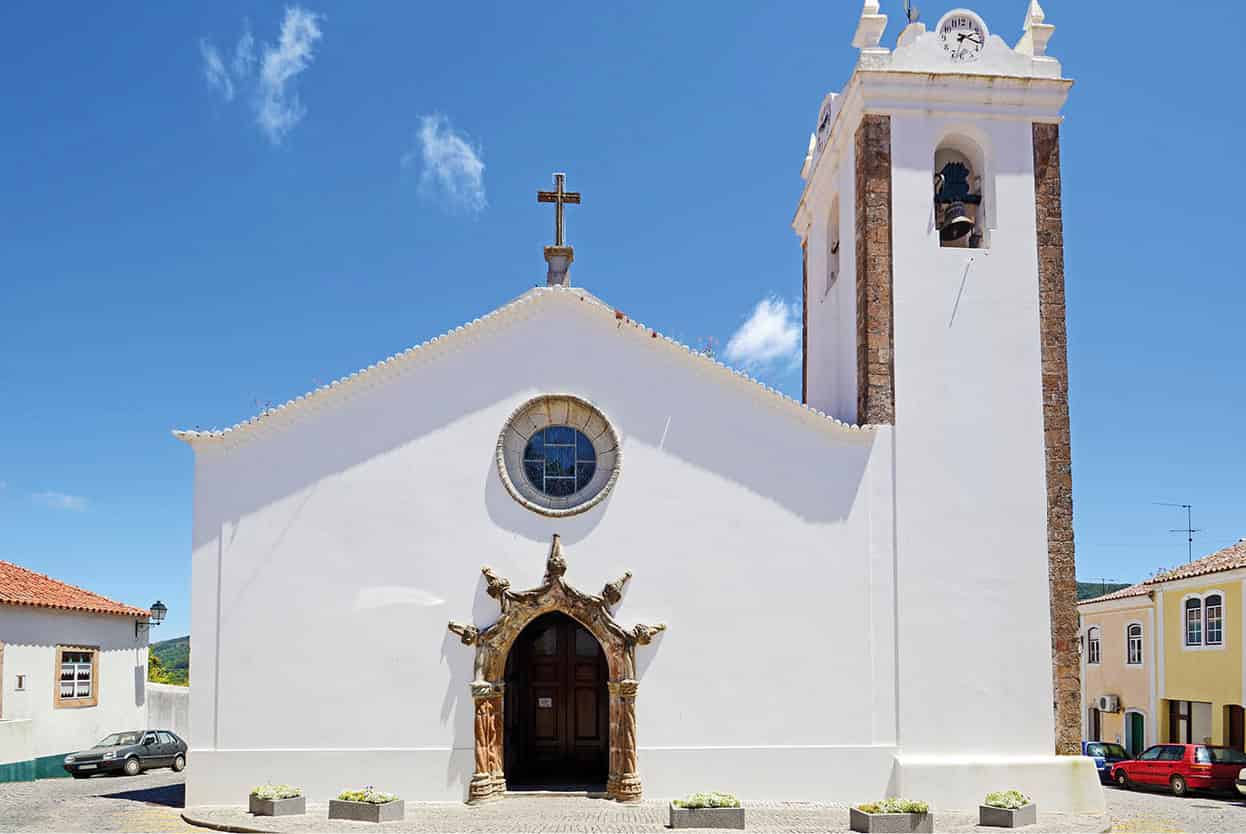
[[168, 708]]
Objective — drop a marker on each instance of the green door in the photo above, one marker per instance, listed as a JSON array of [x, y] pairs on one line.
[[1134, 742]]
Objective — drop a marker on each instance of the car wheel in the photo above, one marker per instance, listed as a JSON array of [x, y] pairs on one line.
[[179, 763], [1122, 779], [132, 767], [1178, 785]]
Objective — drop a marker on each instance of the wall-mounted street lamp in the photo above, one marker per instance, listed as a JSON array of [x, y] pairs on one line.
[[156, 617]]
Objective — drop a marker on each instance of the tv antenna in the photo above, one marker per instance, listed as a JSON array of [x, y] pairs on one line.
[[1189, 530], [911, 12]]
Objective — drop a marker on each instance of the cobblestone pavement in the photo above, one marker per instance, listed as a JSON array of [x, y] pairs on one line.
[[522, 814], [1159, 812], [148, 802], [152, 802]]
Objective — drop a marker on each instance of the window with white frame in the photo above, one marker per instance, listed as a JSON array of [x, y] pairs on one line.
[[75, 675], [1194, 622], [78, 669], [1213, 620], [1092, 645], [1133, 651]]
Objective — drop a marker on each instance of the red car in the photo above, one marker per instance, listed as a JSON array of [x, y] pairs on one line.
[[1182, 768]]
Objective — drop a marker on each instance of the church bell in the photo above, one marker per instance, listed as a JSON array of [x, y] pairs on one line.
[[956, 222]]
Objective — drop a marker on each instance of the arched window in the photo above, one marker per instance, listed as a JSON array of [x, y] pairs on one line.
[[959, 197], [1213, 620], [1133, 643], [1092, 645], [1194, 622]]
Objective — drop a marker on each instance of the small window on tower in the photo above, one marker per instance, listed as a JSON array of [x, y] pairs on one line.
[[832, 247], [958, 209]]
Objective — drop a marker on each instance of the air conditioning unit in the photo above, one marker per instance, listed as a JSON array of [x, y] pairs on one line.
[[1109, 703]]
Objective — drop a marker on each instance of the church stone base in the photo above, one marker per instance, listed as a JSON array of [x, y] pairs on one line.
[[847, 774], [1068, 784]]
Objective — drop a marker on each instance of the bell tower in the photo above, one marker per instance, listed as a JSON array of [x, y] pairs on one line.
[[931, 227]]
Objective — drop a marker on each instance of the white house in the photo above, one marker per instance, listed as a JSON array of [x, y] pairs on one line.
[[73, 668], [690, 580]]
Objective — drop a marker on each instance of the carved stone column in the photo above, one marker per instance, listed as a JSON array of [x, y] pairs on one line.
[[488, 699], [627, 786], [612, 781], [496, 773]]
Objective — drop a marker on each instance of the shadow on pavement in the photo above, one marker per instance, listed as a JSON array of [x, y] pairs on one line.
[[172, 796]]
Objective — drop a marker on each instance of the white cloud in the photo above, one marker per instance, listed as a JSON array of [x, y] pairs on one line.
[[244, 52], [61, 501], [771, 335], [214, 71], [279, 109], [451, 166]]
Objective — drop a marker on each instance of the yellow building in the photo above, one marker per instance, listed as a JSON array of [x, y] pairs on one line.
[[1119, 662], [1162, 661]]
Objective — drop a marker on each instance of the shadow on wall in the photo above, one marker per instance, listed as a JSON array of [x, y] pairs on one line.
[[652, 395]]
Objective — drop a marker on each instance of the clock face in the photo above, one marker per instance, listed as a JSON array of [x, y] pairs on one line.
[[963, 35]]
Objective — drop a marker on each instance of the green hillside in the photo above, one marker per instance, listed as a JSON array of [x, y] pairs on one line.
[[1087, 590], [173, 657]]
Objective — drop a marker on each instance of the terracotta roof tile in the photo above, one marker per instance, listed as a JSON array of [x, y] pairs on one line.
[[1233, 556], [1230, 558], [1132, 591], [19, 586]]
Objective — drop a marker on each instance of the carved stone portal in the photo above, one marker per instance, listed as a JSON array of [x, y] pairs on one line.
[[493, 644]]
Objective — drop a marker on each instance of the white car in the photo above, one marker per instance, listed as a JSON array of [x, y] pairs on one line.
[[1241, 781]]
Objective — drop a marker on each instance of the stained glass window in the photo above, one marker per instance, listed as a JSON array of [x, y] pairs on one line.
[[559, 461]]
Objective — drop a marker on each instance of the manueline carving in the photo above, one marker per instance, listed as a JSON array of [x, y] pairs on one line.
[[493, 643]]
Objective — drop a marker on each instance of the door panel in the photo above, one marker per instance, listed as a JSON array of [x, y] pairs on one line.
[[556, 706]]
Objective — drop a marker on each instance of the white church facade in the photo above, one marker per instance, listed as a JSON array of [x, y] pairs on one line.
[[460, 572]]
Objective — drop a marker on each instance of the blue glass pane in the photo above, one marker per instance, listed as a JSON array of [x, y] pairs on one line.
[[559, 460], [559, 487], [560, 434], [536, 446], [584, 448], [534, 470], [584, 474]]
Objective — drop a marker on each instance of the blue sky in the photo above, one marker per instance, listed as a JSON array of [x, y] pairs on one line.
[[194, 224]]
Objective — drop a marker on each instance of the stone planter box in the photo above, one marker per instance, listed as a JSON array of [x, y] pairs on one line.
[[278, 807], [890, 823], [1008, 817], [341, 809], [707, 817]]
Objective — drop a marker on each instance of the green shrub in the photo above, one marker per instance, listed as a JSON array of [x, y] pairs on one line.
[[275, 792], [894, 805], [1009, 800], [710, 799], [369, 794]]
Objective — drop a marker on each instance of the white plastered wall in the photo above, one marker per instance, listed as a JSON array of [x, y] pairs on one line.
[[31, 636], [329, 554]]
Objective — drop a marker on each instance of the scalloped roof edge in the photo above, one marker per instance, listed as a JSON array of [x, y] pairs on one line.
[[383, 370]]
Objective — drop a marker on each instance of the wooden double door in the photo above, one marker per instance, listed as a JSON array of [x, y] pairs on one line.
[[557, 708]]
